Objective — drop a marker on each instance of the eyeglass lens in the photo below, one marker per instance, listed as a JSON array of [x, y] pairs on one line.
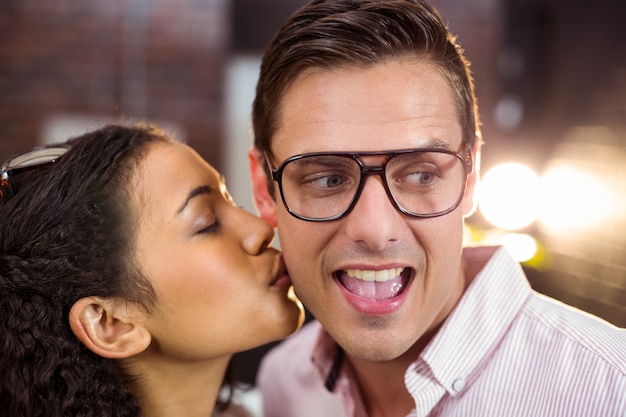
[[420, 183]]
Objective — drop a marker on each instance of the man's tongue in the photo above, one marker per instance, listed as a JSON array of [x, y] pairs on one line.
[[373, 290]]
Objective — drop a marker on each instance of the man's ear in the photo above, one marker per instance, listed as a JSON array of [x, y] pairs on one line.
[[470, 198], [265, 203], [109, 327]]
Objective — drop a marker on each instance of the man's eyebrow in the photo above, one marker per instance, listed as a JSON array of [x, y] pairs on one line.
[[438, 143], [201, 190]]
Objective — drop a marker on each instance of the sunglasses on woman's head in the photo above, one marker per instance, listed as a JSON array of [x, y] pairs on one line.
[[38, 158]]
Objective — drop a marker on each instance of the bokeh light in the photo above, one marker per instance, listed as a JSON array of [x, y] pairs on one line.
[[573, 199], [509, 196], [522, 246]]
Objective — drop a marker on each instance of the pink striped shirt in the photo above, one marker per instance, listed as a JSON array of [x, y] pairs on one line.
[[504, 351]]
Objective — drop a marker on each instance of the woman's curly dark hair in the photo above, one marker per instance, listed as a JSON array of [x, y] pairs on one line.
[[67, 234]]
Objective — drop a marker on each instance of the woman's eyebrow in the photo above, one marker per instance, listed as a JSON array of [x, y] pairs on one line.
[[200, 190]]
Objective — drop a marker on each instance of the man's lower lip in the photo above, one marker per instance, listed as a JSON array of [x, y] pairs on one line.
[[371, 306]]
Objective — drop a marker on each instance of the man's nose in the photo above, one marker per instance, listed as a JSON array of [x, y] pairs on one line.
[[374, 221]]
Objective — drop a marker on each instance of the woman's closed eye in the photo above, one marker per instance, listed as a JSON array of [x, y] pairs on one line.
[[209, 229], [206, 224]]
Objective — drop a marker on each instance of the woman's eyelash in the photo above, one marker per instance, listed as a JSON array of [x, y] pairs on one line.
[[212, 228]]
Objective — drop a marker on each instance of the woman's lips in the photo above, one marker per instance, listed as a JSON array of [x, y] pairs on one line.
[[281, 279]]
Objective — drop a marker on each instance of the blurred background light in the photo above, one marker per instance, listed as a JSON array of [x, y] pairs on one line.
[[522, 246], [572, 199], [509, 112], [508, 196]]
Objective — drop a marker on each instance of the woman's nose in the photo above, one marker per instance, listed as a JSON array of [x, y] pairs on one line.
[[257, 233]]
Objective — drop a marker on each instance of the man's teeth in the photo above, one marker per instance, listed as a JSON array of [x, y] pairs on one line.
[[371, 275]]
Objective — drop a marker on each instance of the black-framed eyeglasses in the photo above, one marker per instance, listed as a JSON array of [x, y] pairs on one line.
[[325, 186], [37, 158]]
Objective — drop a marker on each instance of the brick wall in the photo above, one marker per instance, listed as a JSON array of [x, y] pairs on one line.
[[118, 59]]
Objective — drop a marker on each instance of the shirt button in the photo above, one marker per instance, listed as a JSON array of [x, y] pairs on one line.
[[458, 384]]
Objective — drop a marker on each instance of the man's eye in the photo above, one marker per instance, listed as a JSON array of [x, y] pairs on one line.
[[329, 181], [423, 178]]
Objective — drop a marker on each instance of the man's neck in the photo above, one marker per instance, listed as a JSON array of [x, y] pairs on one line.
[[381, 384]]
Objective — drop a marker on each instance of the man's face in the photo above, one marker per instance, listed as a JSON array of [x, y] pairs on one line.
[[390, 106]]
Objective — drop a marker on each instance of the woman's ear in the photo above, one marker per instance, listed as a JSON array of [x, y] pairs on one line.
[[109, 327], [265, 203]]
